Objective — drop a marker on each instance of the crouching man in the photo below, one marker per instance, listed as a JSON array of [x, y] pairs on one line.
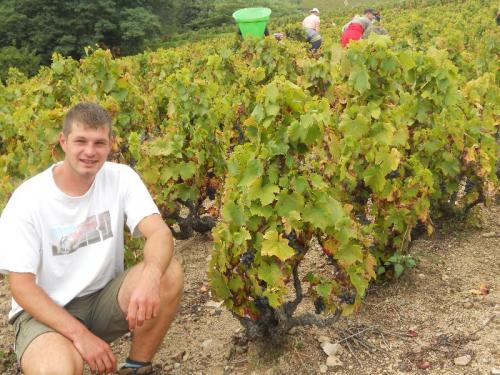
[[62, 246]]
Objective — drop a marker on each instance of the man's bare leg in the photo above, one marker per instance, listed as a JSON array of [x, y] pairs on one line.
[[51, 354], [147, 338]]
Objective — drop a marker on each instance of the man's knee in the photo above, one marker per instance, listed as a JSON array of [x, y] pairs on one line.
[[172, 282], [53, 354]]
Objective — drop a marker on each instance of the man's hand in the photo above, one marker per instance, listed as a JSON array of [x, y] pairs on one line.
[[145, 299], [96, 352]]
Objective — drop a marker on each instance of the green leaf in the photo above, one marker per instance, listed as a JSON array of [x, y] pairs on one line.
[[297, 132], [272, 109], [187, 170], [219, 285], [272, 93], [253, 171], [236, 283], [151, 175], [406, 60], [274, 297], [300, 184], [388, 161], [57, 67], [233, 214], [348, 255], [267, 194], [360, 79], [398, 269], [375, 178], [324, 290], [286, 203], [274, 245], [271, 274], [357, 128], [316, 216], [359, 282]]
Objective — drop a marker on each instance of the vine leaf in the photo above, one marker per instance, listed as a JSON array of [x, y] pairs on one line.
[[274, 245], [233, 214], [219, 286]]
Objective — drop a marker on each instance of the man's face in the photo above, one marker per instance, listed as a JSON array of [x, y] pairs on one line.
[[370, 16], [86, 149]]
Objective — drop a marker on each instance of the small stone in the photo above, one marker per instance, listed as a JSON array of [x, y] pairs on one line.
[[489, 235], [177, 365], [495, 371], [214, 304], [206, 344], [185, 357], [468, 305], [330, 349], [323, 369], [323, 339], [204, 289], [333, 361], [445, 277], [421, 275], [463, 360]]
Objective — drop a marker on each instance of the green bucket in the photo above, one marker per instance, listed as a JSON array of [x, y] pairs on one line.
[[252, 21]]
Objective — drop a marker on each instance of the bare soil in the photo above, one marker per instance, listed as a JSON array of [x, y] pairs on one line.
[[445, 308]]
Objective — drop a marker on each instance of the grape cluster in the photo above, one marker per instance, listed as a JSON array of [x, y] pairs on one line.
[[211, 193], [347, 298], [469, 186], [294, 244], [363, 219], [394, 174], [330, 260], [261, 302], [319, 305], [247, 258]]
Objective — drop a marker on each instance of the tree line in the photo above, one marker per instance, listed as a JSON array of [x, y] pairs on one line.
[[32, 30]]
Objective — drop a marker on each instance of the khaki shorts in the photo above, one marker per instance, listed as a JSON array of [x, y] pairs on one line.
[[99, 312]]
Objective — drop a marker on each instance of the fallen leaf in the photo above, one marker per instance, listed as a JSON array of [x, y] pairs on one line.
[[482, 291], [424, 365], [412, 333]]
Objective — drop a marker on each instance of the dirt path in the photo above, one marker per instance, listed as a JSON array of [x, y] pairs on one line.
[[436, 313]]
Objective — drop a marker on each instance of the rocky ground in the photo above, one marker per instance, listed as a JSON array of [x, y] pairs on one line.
[[440, 318]]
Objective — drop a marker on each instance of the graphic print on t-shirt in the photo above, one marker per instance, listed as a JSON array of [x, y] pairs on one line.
[[67, 239]]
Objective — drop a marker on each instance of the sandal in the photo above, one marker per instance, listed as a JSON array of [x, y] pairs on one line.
[[143, 370]]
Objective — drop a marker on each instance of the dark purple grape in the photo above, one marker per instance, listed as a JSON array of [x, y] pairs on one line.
[[261, 302], [247, 258], [211, 193], [347, 298], [292, 242], [469, 186], [319, 305], [363, 219]]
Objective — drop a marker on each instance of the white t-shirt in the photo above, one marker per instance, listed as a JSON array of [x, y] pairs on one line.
[[311, 22], [74, 245]]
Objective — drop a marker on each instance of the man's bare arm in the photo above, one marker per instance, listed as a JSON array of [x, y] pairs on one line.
[[38, 304], [158, 251]]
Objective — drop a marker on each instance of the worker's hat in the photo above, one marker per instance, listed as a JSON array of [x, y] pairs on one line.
[[314, 10]]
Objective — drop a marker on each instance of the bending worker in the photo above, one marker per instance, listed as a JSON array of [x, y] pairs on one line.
[[311, 26], [355, 29]]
